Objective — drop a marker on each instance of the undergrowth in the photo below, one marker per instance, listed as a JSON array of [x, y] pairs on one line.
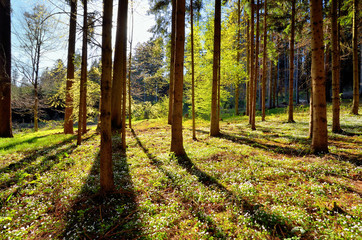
[[244, 184]]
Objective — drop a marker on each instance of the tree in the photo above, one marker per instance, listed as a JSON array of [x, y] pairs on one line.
[[176, 128], [336, 126], [5, 69], [68, 117], [120, 66], [36, 41], [82, 120], [355, 102], [130, 70], [214, 128], [172, 62], [319, 113], [256, 68], [291, 64], [106, 164], [264, 63], [192, 71], [251, 62]]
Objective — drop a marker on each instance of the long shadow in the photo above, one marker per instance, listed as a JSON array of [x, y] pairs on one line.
[[194, 208], [275, 224], [112, 216], [32, 156], [27, 141]]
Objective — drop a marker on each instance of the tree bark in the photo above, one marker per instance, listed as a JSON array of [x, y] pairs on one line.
[[247, 85], [119, 67], [237, 88], [214, 129], [291, 65], [5, 70], [263, 91], [355, 103], [106, 164], [336, 126], [192, 72], [172, 62], [320, 136], [68, 117], [176, 128], [256, 67], [130, 72], [82, 120], [251, 71]]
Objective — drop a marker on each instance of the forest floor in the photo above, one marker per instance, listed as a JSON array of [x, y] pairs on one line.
[[244, 184]]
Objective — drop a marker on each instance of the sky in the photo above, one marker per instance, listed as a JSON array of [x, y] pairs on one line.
[[142, 23]]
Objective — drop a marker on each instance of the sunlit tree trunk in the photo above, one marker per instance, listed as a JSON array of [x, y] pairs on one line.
[[263, 95], [106, 164], [120, 65], [247, 87], [336, 126], [5, 69], [355, 102], [68, 117], [237, 84], [130, 72], [83, 78], [214, 128], [256, 67], [36, 82], [319, 134], [176, 128], [172, 61], [251, 69], [291, 65], [192, 72]]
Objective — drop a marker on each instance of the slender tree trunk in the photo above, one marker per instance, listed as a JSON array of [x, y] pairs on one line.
[[106, 164], [251, 71], [296, 59], [68, 117], [355, 102], [124, 71], [119, 67], [263, 94], [237, 88], [84, 72], [192, 72], [247, 85], [214, 129], [172, 62], [83, 77], [5, 70], [176, 128], [36, 81], [320, 137], [130, 72], [291, 65], [256, 67], [336, 126]]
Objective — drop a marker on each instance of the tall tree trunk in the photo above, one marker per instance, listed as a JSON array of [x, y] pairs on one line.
[[247, 85], [214, 129], [5, 70], [68, 117], [106, 164], [263, 91], [130, 71], [291, 65], [83, 78], [119, 67], [176, 128], [192, 72], [124, 74], [256, 67], [36, 81], [251, 69], [172, 62], [336, 126], [320, 136], [237, 88], [355, 102]]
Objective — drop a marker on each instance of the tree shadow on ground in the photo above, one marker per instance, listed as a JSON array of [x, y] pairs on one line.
[[275, 224], [111, 216], [27, 141]]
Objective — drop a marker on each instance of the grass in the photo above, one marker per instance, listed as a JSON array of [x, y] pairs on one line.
[[244, 184]]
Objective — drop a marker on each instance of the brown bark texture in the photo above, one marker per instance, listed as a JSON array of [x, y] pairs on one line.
[[251, 67], [319, 130], [68, 116], [355, 103], [176, 128], [106, 164], [291, 65], [172, 61], [192, 72], [5, 69], [263, 91]]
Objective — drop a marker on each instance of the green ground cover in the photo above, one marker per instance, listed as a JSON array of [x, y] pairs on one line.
[[262, 184]]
